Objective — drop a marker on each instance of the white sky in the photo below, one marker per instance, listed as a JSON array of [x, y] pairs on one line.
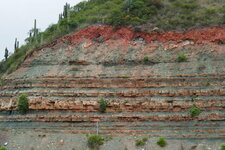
[[17, 17]]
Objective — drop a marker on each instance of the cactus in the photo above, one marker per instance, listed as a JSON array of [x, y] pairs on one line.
[[35, 27], [66, 10], [60, 17], [6, 53], [16, 45]]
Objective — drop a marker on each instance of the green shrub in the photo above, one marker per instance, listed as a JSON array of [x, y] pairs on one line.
[[95, 141], [1, 80], [103, 105], [181, 58], [141, 142], [193, 97], [23, 104], [194, 111], [161, 142], [3, 148], [222, 147], [145, 139], [145, 58], [206, 83], [124, 76]]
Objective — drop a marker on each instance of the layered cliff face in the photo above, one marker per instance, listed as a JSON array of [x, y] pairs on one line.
[[150, 80]]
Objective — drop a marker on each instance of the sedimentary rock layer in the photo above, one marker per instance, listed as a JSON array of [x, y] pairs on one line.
[[147, 88]]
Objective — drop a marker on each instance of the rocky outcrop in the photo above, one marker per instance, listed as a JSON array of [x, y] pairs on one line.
[[147, 89]]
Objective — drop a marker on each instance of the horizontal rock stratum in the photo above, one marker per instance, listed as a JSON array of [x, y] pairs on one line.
[[147, 88]]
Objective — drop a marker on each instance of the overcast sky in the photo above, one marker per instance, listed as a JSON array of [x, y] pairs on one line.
[[17, 17]]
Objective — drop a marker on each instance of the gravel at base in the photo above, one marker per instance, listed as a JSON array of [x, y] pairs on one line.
[[33, 140]]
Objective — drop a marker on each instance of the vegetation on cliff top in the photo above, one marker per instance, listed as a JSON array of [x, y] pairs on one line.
[[144, 14]]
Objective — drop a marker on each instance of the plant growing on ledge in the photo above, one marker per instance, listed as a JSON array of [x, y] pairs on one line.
[[95, 141], [181, 58], [145, 58], [222, 147], [194, 111], [23, 104], [142, 141], [161, 142], [102, 105], [3, 148]]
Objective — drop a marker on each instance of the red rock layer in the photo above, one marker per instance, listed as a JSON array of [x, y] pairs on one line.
[[214, 34]]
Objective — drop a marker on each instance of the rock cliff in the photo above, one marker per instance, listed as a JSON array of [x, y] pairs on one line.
[[148, 87]]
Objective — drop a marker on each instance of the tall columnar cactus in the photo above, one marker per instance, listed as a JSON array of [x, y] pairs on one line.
[[60, 17], [16, 45], [66, 10], [35, 27], [6, 53]]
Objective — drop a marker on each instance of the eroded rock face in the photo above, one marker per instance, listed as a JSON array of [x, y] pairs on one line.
[[137, 73]]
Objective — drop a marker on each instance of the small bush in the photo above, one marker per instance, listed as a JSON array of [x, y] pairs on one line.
[[161, 142], [108, 138], [145, 139], [141, 142], [206, 83], [124, 76], [193, 97], [3, 148], [103, 105], [146, 59], [181, 58], [23, 104], [95, 141], [222, 147], [194, 111], [1, 80]]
